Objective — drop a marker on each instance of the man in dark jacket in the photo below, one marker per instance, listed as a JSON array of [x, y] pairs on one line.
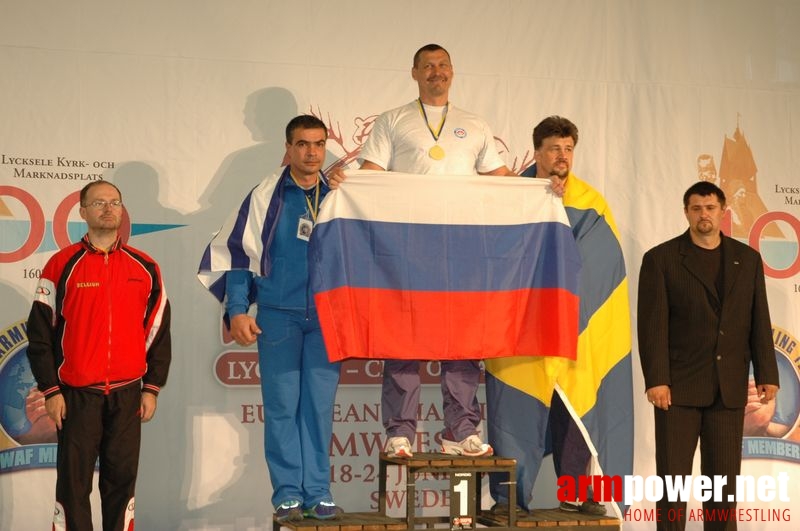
[[702, 319]]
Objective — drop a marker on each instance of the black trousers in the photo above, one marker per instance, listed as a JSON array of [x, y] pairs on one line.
[[104, 427], [719, 430]]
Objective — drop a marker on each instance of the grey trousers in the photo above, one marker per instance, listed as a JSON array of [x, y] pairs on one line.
[[400, 398]]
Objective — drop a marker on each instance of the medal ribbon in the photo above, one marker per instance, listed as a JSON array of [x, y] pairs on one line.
[[438, 132]]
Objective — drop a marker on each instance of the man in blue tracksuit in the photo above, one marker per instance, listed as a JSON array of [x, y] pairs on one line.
[[260, 255]]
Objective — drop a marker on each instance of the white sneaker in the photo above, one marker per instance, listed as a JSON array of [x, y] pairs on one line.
[[399, 447], [472, 446]]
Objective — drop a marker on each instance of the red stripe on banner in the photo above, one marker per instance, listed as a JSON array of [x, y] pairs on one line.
[[388, 324]]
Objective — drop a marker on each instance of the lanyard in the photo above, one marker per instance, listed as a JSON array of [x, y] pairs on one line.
[[428, 125], [313, 209]]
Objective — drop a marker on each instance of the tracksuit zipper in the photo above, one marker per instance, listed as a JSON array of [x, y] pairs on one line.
[[110, 314]]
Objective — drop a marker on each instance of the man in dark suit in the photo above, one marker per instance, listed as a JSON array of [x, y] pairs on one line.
[[702, 319]]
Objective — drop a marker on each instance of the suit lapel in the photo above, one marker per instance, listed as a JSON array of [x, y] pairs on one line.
[[731, 265]]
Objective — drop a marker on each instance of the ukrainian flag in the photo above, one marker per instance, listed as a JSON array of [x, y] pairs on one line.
[[597, 388]]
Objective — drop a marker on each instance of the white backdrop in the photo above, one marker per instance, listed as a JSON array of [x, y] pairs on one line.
[[183, 104]]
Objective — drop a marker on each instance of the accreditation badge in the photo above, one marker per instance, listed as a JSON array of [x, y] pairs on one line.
[[304, 228]]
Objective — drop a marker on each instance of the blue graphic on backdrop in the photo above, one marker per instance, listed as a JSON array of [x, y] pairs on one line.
[[27, 434]]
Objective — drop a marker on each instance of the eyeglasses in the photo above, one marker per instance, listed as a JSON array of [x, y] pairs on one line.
[[99, 204]]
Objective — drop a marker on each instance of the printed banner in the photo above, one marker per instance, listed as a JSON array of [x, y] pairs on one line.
[[188, 118]]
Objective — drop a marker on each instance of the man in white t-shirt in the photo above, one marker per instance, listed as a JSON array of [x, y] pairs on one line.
[[429, 135]]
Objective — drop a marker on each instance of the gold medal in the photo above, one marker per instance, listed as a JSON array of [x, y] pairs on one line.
[[436, 152]]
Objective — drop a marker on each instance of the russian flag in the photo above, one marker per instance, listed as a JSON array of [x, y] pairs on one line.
[[444, 267]]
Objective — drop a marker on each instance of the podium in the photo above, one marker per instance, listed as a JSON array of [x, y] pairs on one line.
[[465, 474]]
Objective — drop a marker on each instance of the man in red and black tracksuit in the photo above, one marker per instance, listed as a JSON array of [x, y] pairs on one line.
[[99, 347]]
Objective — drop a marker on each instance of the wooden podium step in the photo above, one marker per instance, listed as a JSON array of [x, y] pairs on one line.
[[348, 522], [464, 474], [550, 518], [543, 519]]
